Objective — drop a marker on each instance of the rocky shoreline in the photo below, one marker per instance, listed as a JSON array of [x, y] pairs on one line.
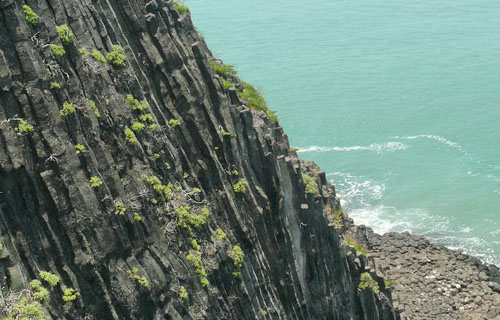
[[432, 281]]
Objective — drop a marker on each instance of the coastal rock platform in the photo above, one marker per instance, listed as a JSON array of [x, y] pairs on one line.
[[434, 282]]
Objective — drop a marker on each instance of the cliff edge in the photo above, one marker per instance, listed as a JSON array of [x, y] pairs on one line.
[[141, 179]]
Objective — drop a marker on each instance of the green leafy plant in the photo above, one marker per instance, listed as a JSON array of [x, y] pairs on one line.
[[222, 69], [67, 110], [194, 258], [98, 56], [137, 217], [226, 83], [366, 282], [255, 101], [55, 85], [135, 104], [130, 136], [353, 242], [84, 52], [224, 132], [183, 293], [57, 50], [235, 173], [23, 127], [137, 126], [64, 33], [70, 294], [389, 283], [116, 57], [237, 255], [30, 15], [148, 117], [39, 292], [50, 278], [310, 184], [221, 235], [120, 208], [334, 216], [241, 186], [237, 274], [174, 123], [180, 8], [93, 106], [80, 148], [186, 219], [95, 182], [132, 275]]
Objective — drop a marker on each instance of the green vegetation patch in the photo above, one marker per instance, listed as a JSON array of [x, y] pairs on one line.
[[130, 136], [95, 182], [70, 294], [135, 104], [174, 123], [50, 278], [310, 184], [55, 85], [64, 33], [255, 101], [237, 255], [98, 56], [366, 282], [132, 275], [241, 186], [351, 241], [23, 127], [30, 15], [194, 258], [93, 106], [186, 219], [57, 50], [120, 208], [67, 110], [180, 8], [183, 293], [222, 69], [116, 57]]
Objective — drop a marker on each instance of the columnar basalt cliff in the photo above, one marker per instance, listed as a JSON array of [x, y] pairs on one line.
[[148, 187]]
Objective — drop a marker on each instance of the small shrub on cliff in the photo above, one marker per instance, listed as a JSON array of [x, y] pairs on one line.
[[194, 258], [70, 294], [137, 217], [255, 101], [23, 127], [186, 219], [366, 282], [183, 293], [55, 85], [1, 250], [116, 57], [351, 241], [137, 126], [50, 278], [120, 208], [241, 186], [227, 84], [64, 33], [130, 136], [335, 217], [237, 255], [98, 56], [84, 52], [310, 184], [180, 8], [30, 15], [132, 275], [174, 123], [389, 283], [79, 149], [39, 292], [135, 104], [221, 235], [93, 106], [67, 110], [57, 50], [148, 117], [222, 69], [95, 182]]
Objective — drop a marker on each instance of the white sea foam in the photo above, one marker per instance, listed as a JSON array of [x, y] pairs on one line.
[[359, 194], [376, 147]]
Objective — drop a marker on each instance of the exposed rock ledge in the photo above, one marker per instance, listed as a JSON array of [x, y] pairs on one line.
[[434, 282]]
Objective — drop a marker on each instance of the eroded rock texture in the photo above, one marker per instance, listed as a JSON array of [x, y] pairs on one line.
[[294, 266]]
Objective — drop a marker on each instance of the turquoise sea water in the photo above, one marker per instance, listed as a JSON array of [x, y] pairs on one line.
[[398, 101]]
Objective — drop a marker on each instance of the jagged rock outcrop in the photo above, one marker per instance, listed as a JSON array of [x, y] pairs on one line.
[[137, 182]]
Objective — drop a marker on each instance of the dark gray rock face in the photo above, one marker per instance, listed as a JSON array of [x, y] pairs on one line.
[[151, 189]]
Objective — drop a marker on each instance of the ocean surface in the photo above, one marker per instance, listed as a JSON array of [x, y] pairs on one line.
[[398, 101]]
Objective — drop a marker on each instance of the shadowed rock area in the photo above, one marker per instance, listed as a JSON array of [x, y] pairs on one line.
[[148, 187]]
